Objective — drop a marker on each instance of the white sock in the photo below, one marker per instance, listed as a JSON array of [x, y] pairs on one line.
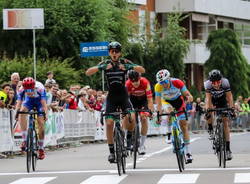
[[143, 139]]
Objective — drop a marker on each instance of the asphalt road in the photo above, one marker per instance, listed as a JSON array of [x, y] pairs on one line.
[[87, 164]]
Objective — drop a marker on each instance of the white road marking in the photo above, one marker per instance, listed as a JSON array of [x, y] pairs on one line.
[[104, 179], [128, 170], [37, 180], [145, 157], [178, 178], [242, 178]]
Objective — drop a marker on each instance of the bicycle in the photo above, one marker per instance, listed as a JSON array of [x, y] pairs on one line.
[[218, 135], [177, 138], [31, 141], [136, 135], [119, 139]]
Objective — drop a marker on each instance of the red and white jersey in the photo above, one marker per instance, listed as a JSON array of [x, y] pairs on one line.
[[143, 89]]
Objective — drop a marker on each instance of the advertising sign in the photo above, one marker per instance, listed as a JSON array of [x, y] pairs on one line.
[[23, 19], [89, 49]]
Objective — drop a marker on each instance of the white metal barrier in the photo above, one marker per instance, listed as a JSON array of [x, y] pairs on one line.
[[66, 124]]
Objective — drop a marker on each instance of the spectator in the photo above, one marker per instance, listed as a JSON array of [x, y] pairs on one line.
[[63, 95], [83, 102], [91, 98], [4, 94], [15, 83], [48, 93], [11, 102], [190, 107], [54, 100], [75, 89], [50, 79], [98, 104], [71, 101], [239, 114], [245, 111], [198, 112]]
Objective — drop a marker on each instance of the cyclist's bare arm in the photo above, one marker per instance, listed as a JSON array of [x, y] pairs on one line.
[[92, 70], [229, 98], [139, 69], [158, 104], [18, 105], [188, 95], [208, 101]]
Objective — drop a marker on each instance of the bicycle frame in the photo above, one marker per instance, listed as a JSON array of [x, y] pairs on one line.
[[31, 141], [119, 141], [136, 137], [177, 138], [219, 141]]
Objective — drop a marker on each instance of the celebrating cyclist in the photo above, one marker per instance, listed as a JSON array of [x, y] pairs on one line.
[[115, 70], [32, 95], [140, 94], [219, 95], [173, 91]]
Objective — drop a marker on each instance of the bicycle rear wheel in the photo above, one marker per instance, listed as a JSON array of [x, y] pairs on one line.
[[178, 151], [29, 149], [34, 150], [223, 147], [118, 151], [136, 143], [124, 151]]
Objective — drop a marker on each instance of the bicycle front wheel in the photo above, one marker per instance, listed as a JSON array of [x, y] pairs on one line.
[[118, 150], [136, 143], [34, 150], [29, 149], [178, 150]]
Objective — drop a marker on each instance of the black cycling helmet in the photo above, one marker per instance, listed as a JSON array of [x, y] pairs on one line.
[[115, 45], [133, 75], [214, 75]]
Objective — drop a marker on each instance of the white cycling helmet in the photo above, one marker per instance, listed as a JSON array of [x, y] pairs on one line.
[[162, 75]]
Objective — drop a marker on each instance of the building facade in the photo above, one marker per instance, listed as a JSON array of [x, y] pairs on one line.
[[204, 17]]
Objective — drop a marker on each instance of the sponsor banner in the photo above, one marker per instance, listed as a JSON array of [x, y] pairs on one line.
[[54, 128], [6, 141]]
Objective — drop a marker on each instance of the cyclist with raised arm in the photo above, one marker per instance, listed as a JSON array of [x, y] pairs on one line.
[[173, 91], [32, 95], [115, 70], [218, 95], [140, 94]]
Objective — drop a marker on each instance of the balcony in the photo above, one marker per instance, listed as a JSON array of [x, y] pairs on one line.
[[142, 2], [238, 9], [198, 53]]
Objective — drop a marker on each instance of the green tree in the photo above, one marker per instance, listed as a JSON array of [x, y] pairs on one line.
[[166, 50], [67, 23], [226, 55]]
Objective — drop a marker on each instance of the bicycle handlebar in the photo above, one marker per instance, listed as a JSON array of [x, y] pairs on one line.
[[30, 113], [173, 113], [220, 109]]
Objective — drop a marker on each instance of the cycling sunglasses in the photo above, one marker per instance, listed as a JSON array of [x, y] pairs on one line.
[[29, 90], [216, 82], [164, 82], [115, 51], [135, 80]]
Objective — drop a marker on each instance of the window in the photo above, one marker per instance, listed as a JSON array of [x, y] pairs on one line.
[[243, 31], [203, 29]]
